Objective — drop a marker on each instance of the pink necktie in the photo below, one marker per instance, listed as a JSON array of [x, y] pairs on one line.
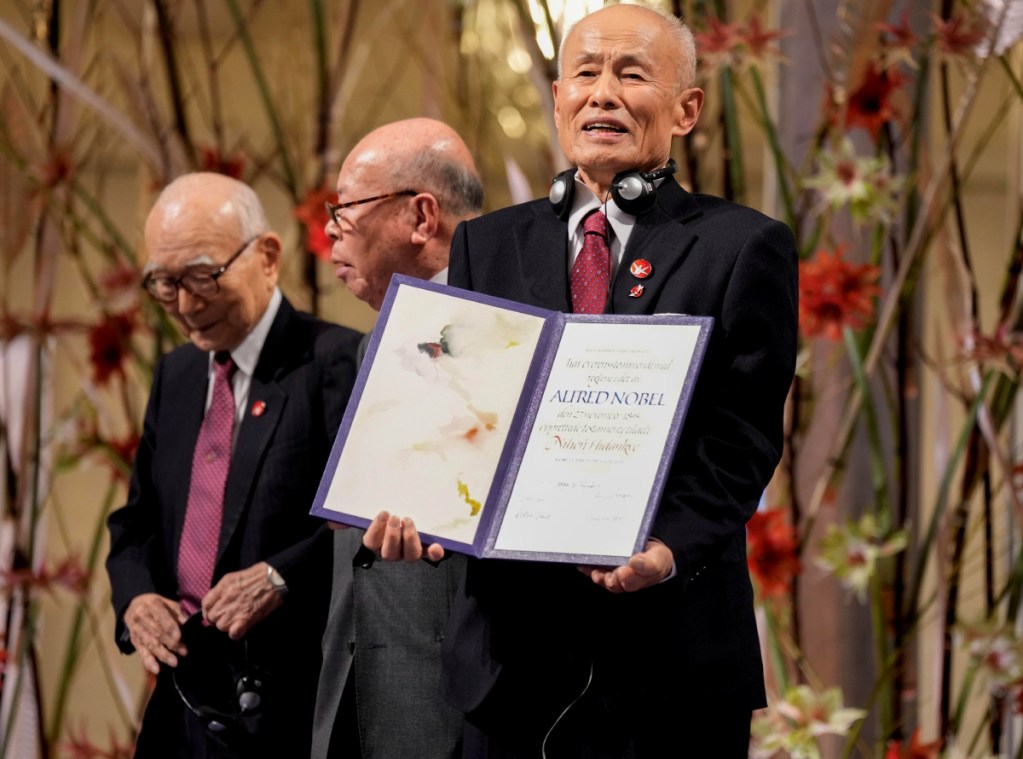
[[201, 533], [591, 272]]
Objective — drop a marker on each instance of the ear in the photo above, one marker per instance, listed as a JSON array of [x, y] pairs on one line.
[[687, 111], [270, 255], [427, 220], [557, 110]]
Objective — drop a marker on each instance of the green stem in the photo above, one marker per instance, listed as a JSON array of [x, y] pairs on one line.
[[267, 98], [72, 649], [879, 476], [963, 700], [99, 214], [736, 181], [27, 635], [774, 646], [165, 33], [884, 675], [781, 167], [941, 500], [885, 694]]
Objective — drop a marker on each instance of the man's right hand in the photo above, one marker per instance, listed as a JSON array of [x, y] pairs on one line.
[[154, 624], [395, 539]]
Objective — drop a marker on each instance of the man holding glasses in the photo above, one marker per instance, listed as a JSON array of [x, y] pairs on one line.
[[237, 430]]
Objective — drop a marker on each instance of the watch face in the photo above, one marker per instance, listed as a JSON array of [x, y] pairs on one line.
[[276, 580]]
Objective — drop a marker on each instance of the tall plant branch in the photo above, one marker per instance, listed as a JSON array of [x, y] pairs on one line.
[[165, 32], [75, 87], [291, 183], [933, 195]]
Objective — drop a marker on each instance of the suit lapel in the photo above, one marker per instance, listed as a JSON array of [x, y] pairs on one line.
[[662, 237], [256, 431], [190, 402], [543, 251]]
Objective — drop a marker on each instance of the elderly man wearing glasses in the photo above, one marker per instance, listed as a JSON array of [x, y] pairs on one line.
[[237, 430]]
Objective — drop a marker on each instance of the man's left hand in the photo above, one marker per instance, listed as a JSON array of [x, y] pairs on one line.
[[240, 600], [644, 569]]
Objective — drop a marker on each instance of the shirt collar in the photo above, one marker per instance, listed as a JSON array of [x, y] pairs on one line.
[[584, 201], [246, 355]]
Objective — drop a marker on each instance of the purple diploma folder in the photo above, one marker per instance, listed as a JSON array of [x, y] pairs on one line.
[[509, 431]]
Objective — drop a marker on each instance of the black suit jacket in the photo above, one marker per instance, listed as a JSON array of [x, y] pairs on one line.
[[536, 628], [304, 376]]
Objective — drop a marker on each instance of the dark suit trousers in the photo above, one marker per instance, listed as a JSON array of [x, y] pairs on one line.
[[602, 726]]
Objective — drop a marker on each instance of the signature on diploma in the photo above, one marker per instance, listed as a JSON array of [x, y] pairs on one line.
[[539, 516]]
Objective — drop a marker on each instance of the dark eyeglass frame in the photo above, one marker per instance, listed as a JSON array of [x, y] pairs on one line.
[[149, 282], [333, 208]]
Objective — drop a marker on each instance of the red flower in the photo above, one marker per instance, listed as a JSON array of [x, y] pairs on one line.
[[108, 346], [1016, 687], [915, 749], [59, 169], [10, 327], [834, 294], [719, 41], [81, 747], [120, 287], [870, 104], [313, 214], [68, 574], [757, 39], [124, 448], [120, 453], [211, 159], [960, 35], [772, 552], [732, 44], [1004, 349], [899, 42]]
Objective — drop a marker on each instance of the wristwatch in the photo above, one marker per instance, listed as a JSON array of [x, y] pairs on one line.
[[276, 580]]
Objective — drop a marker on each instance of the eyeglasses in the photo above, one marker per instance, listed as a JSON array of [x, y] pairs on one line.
[[333, 208], [200, 284]]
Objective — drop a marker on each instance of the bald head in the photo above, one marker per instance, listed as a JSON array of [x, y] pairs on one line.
[[620, 97], [207, 224], [419, 181], [425, 155], [624, 16], [210, 199]]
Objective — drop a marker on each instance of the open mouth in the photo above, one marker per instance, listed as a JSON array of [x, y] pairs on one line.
[[601, 127]]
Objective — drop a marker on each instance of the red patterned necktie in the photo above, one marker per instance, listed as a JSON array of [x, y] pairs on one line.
[[591, 272], [201, 533]]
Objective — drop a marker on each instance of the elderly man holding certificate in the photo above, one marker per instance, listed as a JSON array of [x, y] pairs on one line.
[[660, 650]]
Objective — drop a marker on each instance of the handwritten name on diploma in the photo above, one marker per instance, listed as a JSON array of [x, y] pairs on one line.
[[610, 397]]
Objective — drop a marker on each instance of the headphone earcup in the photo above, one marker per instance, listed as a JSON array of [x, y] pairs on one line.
[[216, 722], [249, 690], [562, 190], [633, 192], [216, 682]]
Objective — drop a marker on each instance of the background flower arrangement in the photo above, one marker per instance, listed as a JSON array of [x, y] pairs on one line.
[[894, 517]]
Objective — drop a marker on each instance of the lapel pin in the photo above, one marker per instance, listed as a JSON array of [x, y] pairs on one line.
[[636, 291], [259, 408], [641, 268]]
